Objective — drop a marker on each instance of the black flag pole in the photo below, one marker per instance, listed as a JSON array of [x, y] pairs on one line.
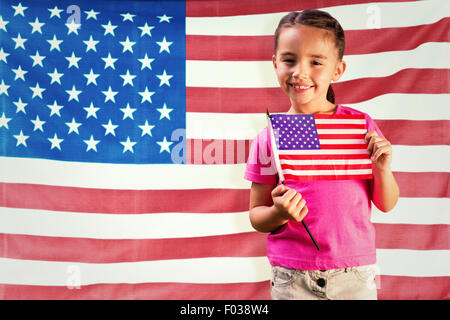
[[278, 167]]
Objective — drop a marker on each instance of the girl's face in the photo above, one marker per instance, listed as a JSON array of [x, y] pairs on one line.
[[305, 63]]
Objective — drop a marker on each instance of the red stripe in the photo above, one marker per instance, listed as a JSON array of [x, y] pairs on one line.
[[342, 146], [340, 116], [146, 291], [57, 198], [327, 177], [412, 288], [260, 48], [256, 100], [341, 136], [215, 8], [323, 126], [327, 167], [322, 156], [390, 288], [251, 244], [412, 236]]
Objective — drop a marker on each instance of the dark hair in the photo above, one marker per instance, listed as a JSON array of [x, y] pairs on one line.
[[318, 19]]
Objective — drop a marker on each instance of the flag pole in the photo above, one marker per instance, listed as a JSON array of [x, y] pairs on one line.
[[278, 167]]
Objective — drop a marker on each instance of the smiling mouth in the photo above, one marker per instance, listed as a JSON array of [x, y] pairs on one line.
[[300, 88]]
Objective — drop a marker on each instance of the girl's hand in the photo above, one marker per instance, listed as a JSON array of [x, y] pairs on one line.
[[380, 150], [289, 203]]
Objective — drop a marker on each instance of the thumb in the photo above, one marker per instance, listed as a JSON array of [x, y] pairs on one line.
[[279, 190]]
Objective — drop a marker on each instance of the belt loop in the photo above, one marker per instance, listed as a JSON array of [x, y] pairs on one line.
[[346, 270]]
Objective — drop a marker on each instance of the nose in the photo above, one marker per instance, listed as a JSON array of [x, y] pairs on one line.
[[300, 70]]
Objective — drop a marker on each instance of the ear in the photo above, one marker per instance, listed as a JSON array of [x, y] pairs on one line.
[[340, 69], [274, 61]]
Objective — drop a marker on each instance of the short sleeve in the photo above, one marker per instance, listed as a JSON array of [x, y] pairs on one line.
[[371, 125], [259, 166]]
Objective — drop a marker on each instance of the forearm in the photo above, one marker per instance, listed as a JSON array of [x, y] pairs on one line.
[[265, 218], [385, 191]]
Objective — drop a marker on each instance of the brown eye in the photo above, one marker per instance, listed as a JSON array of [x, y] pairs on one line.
[[316, 63]]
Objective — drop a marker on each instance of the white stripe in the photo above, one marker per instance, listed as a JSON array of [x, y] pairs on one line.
[[149, 177], [341, 131], [121, 226], [412, 263], [327, 172], [340, 121], [326, 162], [322, 152], [200, 270], [261, 74], [415, 211], [351, 17], [324, 142], [386, 107]]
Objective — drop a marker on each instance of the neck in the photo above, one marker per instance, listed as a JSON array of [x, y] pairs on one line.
[[325, 108]]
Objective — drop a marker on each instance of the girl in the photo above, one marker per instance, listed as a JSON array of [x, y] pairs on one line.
[[309, 47]]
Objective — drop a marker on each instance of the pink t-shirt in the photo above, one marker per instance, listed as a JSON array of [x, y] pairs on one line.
[[338, 215]]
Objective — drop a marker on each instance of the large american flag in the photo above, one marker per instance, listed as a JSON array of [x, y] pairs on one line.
[[125, 130], [321, 147]]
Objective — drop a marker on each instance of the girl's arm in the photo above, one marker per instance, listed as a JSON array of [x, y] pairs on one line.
[[272, 206], [385, 191]]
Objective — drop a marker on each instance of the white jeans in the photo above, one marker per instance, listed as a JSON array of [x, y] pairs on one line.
[[354, 283]]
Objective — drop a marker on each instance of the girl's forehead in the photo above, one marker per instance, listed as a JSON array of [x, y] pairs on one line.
[[306, 37]]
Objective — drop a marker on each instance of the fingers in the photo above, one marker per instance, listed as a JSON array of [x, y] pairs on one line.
[[290, 203], [377, 145]]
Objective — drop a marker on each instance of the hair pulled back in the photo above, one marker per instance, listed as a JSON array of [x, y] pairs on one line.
[[318, 19]]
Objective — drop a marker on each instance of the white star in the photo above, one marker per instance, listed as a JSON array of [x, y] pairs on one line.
[[19, 41], [128, 78], [55, 12], [54, 109], [164, 111], [73, 93], [55, 76], [109, 62], [91, 111], [127, 112], [146, 129], [164, 18], [19, 9], [109, 28], [3, 55], [20, 105], [128, 145], [164, 78], [37, 91], [91, 43], [91, 144], [127, 16], [37, 59], [164, 145], [73, 61], [91, 14], [127, 45], [36, 26], [19, 73], [146, 29], [110, 128], [4, 88], [38, 124], [146, 62], [3, 24], [109, 95], [146, 95], [21, 139], [55, 142], [73, 27], [164, 45], [73, 126], [54, 43], [4, 121], [91, 76]]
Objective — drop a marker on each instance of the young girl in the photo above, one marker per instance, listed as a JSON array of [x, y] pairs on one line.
[[309, 47]]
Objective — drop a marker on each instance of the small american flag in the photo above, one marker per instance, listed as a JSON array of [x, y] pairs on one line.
[[322, 147]]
